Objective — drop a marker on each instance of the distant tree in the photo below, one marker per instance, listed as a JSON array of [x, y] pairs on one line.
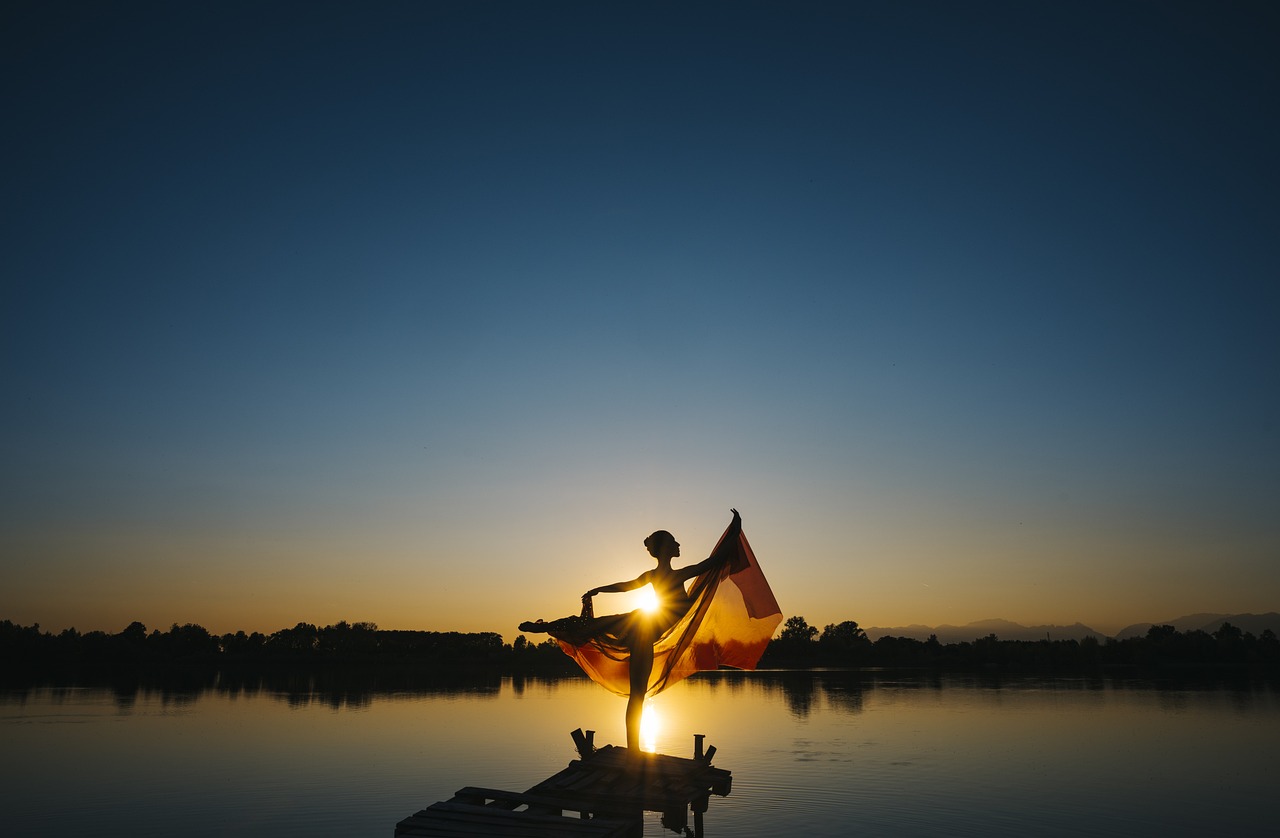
[[302, 639], [335, 639], [990, 650], [1268, 648], [844, 644], [1198, 645], [797, 630], [843, 635], [1233, 644], [135, 632], [241, 645], [186, 642], [794, 646], [904, 651], [1228, 633]]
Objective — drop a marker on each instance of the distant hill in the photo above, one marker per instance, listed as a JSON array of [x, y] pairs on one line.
[[1003, 629], [1254, 624]]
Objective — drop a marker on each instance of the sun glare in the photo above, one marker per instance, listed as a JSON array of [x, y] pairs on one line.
[[648, 599], [650, 724]]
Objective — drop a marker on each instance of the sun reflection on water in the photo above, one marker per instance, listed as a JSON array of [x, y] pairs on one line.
[[650, 724]]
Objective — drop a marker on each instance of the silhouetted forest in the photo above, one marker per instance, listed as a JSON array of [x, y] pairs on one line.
[[26, 650], [844, 644]]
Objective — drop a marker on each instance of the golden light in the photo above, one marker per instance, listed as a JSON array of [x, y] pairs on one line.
[[650, 724], [649, 599]]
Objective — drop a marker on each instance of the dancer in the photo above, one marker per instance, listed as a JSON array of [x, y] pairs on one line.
[[691, 629]]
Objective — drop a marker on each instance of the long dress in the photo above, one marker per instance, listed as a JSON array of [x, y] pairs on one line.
[[730, 617]]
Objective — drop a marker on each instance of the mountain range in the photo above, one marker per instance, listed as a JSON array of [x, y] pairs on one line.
[[1254, 624]]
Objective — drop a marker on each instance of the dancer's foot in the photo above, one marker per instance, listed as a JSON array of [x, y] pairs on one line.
[[537, 625]]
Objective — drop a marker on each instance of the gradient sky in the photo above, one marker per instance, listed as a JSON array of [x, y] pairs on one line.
[[427, 313]]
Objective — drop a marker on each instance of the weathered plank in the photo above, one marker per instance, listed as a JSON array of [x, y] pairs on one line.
[[652, 779]]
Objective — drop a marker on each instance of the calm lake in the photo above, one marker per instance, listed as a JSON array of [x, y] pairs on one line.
[[812, 753]]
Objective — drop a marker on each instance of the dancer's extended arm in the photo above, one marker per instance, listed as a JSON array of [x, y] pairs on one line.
[[735, 527], [621, 587]]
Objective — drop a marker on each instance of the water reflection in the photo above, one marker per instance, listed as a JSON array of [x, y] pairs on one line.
[[650, 725], [799, 689], [802, 691], [846, 697], [349, 688], [839, 752]]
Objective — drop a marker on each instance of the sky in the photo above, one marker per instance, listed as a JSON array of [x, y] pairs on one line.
[[426, 314]]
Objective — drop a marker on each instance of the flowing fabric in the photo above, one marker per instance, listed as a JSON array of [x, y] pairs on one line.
[[729, 622]]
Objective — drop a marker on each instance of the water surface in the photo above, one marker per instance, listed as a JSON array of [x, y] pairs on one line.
[[814, 753]]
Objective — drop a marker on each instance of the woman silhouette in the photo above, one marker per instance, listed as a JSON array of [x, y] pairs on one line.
[[641, 628], [725, 619]]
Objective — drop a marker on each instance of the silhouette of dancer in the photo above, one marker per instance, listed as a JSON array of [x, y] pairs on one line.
[[642, 628], [689, 633]]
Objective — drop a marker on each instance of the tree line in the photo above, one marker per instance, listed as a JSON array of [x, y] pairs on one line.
[[798, 646], [343, 643], [845, 644]]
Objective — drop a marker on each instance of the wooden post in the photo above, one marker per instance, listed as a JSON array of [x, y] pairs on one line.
[[699, 806], [581, 743], [697, 745]]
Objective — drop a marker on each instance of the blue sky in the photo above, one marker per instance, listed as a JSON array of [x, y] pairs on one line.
[[427, 313]]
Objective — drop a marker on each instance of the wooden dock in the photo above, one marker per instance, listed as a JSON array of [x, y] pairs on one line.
[[603, 794]]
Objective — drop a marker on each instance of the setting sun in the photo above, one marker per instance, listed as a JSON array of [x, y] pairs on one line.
[[648, 598]]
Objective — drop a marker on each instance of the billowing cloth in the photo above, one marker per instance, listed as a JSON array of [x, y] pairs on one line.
[[729, 622]]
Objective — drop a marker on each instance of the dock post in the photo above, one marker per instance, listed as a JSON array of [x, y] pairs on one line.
[[697, 745], [583, 741], [699, 806]]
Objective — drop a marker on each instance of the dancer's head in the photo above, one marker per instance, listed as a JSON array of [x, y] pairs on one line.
[[662, 544]]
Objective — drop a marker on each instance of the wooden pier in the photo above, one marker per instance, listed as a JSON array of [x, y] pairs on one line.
[[603, 794]]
